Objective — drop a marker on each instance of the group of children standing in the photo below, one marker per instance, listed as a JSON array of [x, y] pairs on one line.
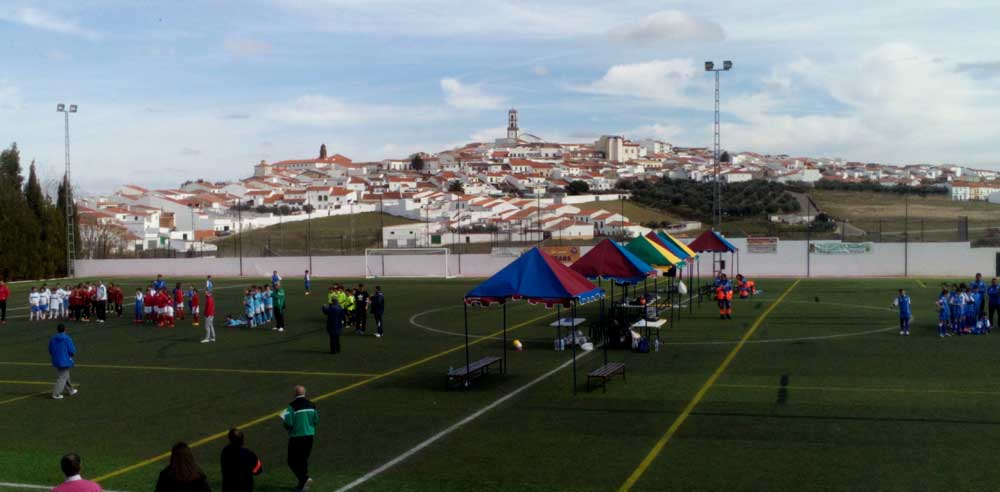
[[357, 302], [962, 309], [258, 305], [157, 306], [85, 302]]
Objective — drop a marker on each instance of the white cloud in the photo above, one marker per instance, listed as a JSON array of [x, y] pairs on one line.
[[667, 27], [320, 110], [462, 96], [38, 19], [488, 134], [909, 106], [10, 97], [656, 131], [246, 47], [666, 81]]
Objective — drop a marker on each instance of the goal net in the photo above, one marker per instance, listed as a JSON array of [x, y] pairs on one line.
[[408, 262]]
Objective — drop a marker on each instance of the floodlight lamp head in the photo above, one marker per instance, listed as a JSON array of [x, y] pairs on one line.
[[72, 108], [709, 66], [726, 65], [60, 107]]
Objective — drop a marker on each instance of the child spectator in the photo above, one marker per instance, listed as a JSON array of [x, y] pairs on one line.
[[902, 303]]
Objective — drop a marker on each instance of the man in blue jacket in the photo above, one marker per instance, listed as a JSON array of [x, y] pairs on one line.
[[62, 350], [334, 324]]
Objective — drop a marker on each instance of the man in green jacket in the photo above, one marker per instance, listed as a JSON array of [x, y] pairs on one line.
[[278, 298], [300, 419]]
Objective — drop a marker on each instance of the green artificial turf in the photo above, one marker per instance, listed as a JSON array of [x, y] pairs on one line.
[[824, 396]]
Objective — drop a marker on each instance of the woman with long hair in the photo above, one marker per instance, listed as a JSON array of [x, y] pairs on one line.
[[182, 474]]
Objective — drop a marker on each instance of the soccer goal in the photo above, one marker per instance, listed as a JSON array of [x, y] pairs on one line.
[[408, 262]]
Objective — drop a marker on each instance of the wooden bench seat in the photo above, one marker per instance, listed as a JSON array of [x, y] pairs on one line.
[[605, 372], [463, 375]]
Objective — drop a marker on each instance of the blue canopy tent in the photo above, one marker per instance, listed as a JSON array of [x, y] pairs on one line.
[[537, 278]]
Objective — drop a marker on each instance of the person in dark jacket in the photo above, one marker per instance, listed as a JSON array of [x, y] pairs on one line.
[[239, 464], [378, 309], [182, 474], [334, 324]]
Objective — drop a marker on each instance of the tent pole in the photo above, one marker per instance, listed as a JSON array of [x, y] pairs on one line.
[[504, 371], [604, 330], [558, 321], [573, 343], [690, 292], [699, 282], [465, 312]]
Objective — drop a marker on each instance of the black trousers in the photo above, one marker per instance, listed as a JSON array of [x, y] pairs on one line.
[[102, 310], [299, 449], [378, 322], [361, 320], [3, 311], [279, 318], [334, 342], [994, 309]]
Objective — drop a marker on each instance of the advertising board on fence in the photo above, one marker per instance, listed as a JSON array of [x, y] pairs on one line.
[[838, 248], [565, 254], [762, 245]]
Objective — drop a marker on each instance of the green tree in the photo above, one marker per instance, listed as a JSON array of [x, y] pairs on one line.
[[19, 227], [577, 187], [456, 186], [417, 162]]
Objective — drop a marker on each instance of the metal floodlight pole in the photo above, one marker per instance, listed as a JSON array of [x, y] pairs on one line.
[[70, 234], [710, 67]]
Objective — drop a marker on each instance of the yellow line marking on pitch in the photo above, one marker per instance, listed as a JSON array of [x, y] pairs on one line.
[[12, 381], [864, 390], [200, 369], [921, 282], [658, 447], [331, 394], [25, 397]]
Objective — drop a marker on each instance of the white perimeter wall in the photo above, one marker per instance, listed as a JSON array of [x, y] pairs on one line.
[[885, 260]]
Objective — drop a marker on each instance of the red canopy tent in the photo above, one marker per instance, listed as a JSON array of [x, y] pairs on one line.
[[717, 244]]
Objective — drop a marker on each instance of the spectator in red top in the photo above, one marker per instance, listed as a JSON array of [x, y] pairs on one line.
[[209, 317], [4, 294]]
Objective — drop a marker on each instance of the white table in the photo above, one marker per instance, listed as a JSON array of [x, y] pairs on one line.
[[647, 325], [570, 323]]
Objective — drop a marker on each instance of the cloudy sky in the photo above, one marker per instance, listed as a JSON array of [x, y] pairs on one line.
[[180, 89]]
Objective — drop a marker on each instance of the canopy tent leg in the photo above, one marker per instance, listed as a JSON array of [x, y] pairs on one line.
[[465, 312], [503, 370], [573, 343], [604, 330], [690, 292], [558, 322], [699, 282]]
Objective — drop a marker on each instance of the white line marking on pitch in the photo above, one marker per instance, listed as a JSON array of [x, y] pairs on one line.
[[31, 486], [431, 440]]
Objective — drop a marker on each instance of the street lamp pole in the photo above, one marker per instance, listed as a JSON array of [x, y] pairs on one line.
[[68, 196], [710, 67]]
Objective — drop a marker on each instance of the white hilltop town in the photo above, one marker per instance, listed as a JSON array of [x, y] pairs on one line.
[[516, 186]]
